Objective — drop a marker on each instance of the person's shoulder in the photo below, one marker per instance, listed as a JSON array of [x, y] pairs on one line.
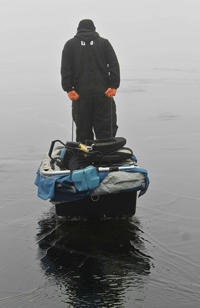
[[103, 39], [71, 41], [105, 43]]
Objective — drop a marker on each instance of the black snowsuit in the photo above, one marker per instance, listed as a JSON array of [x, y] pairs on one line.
[[90, 66]]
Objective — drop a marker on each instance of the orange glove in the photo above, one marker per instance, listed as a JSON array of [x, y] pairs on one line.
[[110, 92], [73, 96]]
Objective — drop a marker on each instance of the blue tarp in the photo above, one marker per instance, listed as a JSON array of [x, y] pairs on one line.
[[48, 187]]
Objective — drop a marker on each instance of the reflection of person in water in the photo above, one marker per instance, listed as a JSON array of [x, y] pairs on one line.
[[95, 261]]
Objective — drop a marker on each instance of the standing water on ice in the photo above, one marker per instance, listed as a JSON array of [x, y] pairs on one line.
[[151, 260]]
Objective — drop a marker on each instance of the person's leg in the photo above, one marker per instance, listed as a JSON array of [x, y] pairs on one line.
[[82, 116], [104, 117]]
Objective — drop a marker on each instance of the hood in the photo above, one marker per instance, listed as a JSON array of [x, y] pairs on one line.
[[86, 24], [87, 35]]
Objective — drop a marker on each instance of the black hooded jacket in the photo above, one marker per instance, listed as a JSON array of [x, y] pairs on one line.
[[89, 64]]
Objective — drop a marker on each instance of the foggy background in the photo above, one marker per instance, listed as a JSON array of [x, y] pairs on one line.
[[149, 37], [145, 34]]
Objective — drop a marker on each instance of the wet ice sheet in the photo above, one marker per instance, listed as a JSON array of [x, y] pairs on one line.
[[150, 262]]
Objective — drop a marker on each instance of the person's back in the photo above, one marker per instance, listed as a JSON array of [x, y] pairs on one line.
[[89, 70]]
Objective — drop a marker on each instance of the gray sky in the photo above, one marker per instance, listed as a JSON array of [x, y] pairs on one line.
[[143, 33], [153, 39]]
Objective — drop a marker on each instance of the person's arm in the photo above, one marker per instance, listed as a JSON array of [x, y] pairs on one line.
[[66, 70], [113, 66], [67, 74]]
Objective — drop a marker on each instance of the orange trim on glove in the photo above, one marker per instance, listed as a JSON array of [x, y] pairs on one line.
[[110, 92], [73, 95]]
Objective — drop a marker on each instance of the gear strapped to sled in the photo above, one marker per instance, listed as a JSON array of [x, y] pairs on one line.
[[75, 155], [73, 170], [83, 160]]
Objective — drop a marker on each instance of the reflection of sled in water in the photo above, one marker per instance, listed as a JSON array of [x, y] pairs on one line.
[[97, 180], [93, 261]]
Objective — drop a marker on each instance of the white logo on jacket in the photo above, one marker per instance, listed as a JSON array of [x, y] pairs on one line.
[[82, 43]]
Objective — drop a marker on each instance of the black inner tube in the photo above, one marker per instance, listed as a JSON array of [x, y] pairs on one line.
[[78, 162]]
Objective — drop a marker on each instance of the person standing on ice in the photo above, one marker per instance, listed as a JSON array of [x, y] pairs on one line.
[[90, 75]]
